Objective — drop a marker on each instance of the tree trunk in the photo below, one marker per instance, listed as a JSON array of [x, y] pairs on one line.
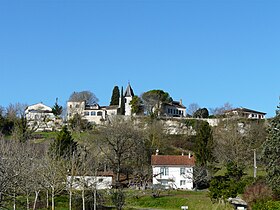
[[35, 199], [70, 198], [14, 198], [83, 197], [47, 199], [27, 201], [94, 199], [52, 198]]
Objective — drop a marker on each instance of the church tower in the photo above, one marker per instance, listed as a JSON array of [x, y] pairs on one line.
[[128, 95]]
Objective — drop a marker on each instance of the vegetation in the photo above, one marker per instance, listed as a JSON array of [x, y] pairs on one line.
[[115, 99]]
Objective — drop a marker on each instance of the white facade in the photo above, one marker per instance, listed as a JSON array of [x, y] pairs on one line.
[[92, 113], [173, 171], [175, 177], [94, 182], [246, 113], [174, 109], [40, 117]]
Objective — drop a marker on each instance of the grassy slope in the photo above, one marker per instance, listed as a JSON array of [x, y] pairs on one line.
[[172, 200]]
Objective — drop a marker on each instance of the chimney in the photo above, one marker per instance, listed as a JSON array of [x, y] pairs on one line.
[[182, 153], [157, 152], [181, 102], [189, 155]]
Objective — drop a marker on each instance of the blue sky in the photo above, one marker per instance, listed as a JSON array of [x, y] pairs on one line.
[[206, 52]]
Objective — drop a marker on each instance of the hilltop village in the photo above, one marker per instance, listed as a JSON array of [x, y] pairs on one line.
[[150, 145]]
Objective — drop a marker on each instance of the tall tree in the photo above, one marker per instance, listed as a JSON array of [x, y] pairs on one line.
[[56, 109], [204, 144], [136, 105], [192, 108], [122, 105], [86, 96], [271, 152], [153, 99], [120, 143], [115, 99], [64, 145]]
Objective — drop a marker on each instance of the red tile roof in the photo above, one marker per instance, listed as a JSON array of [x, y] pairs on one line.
[[173, 160]]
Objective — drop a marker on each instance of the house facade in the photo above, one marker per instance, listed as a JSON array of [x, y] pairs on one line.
[[174, 109], [245, 113], [94, 182], [173, 171], [40, 117], [95, 113]]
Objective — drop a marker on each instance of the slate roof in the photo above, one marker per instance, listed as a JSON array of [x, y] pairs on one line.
[[128, 92], [246, 110], [172, 160]]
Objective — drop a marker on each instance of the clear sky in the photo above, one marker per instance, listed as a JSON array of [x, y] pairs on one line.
[[206, 52]]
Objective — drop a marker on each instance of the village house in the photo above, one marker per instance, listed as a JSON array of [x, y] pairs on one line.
[[173, 171], [245, 113], [174, 109], [40, 117]]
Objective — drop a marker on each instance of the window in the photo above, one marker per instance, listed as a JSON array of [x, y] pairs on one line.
[[164, 171], [93, 113], [182, 171], [86, 113], [182, 182], [99, 113], [70, 106], [77, 105]]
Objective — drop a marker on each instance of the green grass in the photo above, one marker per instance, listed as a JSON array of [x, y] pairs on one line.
[[173, 200]]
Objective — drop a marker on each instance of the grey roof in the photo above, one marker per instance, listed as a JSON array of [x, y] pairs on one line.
[[128, 92]]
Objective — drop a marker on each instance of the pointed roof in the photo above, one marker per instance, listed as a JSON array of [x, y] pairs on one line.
[[128, 92]]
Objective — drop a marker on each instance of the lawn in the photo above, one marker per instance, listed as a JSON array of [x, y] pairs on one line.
[[172, 200]]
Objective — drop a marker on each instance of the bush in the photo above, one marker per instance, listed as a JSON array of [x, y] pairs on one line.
[[258, 192], [268, 205]]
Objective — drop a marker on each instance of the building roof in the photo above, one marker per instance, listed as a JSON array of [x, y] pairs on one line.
[[177, 104], [172, 160], [128, 92], [246, 110]]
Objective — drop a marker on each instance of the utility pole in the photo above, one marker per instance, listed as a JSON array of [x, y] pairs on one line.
[[255, 164]]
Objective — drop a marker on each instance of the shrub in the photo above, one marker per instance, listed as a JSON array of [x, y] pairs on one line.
[[258, 192]]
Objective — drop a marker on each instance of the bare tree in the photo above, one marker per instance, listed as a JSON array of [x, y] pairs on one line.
[[54, 174], [192, 108], [120, 142], [86, 96], [221, 110]]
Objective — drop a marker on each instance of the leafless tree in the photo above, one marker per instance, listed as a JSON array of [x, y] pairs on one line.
[[192, 108], [86, 96], [221, 110], [120, 142]]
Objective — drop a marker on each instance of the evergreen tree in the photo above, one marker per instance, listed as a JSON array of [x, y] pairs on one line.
[[57, 110], [122, 105], [64, 145], [115, 96], [271, 153], [136, 105], [204, 144]]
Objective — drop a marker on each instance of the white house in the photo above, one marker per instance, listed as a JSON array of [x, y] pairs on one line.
[[95, 182], [173, 171], [40, 117], [245, 113], [95, 113], [174, 109]]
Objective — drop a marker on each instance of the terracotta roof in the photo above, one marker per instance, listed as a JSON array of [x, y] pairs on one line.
[[171, 160]]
